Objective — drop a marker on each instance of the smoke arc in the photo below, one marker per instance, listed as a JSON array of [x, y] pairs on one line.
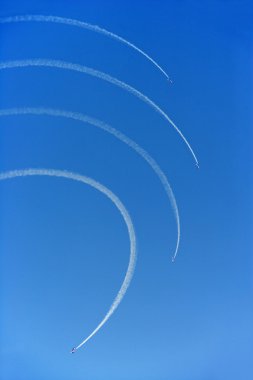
[[119, 205], [39, 62], [120, 136], [82, 25]]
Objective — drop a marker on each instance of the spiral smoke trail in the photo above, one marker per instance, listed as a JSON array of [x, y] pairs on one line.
[[98, 74], [120, 136], [39, 62], [91, 182], [83, 25]]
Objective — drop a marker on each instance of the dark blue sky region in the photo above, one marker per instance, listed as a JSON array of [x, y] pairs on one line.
[[64, 247]]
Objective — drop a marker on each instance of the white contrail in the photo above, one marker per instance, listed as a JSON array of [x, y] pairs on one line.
[[83, 25], [120, 207], [132, 144], [87, 70]]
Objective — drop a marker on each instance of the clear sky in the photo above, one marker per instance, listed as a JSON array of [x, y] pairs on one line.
[[64, 247]]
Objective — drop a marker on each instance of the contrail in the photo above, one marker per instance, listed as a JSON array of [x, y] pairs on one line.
[[120, 207], [83, 25], [98, 74], [120, 136]]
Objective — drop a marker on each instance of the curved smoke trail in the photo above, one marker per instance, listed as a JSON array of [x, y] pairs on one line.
[[120, 207], [120, 136], [87, 70], [83, 25]]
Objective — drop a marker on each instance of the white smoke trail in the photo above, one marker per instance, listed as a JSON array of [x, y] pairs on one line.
[[87, 70], [120, 207], [83, 25], [120, 136]]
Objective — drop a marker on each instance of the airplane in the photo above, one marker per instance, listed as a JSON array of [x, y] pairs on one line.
[[73, 350]]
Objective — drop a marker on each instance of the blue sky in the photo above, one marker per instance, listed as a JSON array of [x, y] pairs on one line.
[[64, 247]]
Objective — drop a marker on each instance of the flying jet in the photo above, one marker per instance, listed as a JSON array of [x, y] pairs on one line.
[[73, 350]]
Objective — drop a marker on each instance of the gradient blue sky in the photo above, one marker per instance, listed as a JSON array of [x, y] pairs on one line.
[[64, 248]]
